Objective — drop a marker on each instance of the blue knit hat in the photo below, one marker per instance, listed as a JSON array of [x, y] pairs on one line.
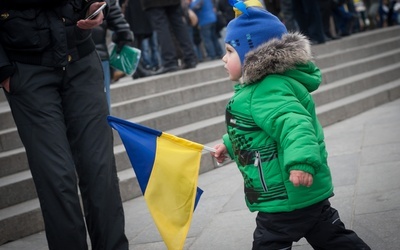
[[252, 26]]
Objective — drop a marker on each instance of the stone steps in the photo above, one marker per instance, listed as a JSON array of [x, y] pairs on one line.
[[360, 72]]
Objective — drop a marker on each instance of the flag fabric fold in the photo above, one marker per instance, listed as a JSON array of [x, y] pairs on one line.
[[167, 169]]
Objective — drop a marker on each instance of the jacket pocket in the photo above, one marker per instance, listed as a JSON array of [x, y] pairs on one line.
[[24, 30], [258, 164]]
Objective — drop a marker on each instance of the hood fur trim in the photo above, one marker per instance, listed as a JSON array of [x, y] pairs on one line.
[[276, 56]]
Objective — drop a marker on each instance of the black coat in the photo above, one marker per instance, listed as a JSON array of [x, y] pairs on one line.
[[42, 32]]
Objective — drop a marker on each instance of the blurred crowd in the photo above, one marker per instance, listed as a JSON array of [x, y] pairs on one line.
[[178, 34], [324, 20]]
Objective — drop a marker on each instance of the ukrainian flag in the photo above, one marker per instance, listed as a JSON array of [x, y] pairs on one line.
[[167, 169]]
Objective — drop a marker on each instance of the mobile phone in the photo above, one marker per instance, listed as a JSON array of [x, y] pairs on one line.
[[94, 14]]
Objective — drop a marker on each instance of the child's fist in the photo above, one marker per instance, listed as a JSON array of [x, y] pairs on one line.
[[301, 178], [220, 153]]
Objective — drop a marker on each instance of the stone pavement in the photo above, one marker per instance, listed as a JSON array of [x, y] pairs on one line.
[[364, 155]]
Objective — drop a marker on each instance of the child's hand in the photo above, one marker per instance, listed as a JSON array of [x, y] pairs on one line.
[[220, 153], [298, 178]]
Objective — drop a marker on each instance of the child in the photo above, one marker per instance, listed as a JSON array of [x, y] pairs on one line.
[[275, 137]]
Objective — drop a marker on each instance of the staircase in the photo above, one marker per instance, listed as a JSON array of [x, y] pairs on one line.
[[360, 72]]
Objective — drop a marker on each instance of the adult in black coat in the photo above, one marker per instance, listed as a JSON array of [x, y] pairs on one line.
[[137, 19], [308, 16], [166, 16], [141, 27], [53, 80]]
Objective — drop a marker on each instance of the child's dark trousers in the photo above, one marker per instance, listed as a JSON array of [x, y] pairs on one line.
[[320, 224]]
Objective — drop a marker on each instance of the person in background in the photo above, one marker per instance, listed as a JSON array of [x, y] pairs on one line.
[[287, 13], [274, 136], [390, 11], [226, 9], [192, 25], [228, 14], [361, 10], [198, 44], [121, 35], [326, 9], [53, 80], [207, 16], [345, 19], [166, 16], [273, 6], [145, 38], [150, 52], [308, 16]]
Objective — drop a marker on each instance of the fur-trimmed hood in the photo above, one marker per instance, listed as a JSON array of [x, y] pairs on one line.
[[276, 56]]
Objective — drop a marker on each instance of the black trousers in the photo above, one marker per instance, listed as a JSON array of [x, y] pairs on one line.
[[61, 119], [167, 22], [320, 224], [326, 7], [308, 17]]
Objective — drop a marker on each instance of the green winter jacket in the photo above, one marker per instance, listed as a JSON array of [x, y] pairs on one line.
[[273, 127]]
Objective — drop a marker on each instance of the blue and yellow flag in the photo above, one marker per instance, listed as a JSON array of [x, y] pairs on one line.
[[167, 169]]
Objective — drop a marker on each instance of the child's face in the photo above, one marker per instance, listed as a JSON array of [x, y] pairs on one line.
[[232, 63]]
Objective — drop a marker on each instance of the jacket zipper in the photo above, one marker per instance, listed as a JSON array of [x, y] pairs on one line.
[[257, 163]]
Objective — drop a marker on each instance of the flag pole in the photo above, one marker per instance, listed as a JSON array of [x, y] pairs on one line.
[[212, 150], [209, 149]]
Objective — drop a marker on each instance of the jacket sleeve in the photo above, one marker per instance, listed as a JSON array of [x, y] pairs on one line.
[[118, 24], [278, 111]]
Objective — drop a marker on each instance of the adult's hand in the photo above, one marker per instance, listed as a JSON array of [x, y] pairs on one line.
[[96, 21], [6, 84]]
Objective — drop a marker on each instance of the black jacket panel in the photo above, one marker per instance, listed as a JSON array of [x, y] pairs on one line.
[[35, 32]]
